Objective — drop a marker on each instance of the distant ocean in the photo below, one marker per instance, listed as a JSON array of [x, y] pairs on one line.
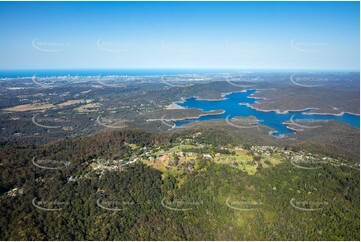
[[106, 72], [135, 72]]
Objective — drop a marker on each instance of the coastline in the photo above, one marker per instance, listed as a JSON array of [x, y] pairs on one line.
[[275, 110], [304, 111], [278, 111], [289, 124], [334, 114]]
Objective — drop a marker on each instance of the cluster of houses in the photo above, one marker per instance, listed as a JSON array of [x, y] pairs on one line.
[[156, 154], [14, 192], [100, 166], [264, 150]]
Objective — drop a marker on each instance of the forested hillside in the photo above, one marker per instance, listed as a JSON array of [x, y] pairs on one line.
[[211, 201]]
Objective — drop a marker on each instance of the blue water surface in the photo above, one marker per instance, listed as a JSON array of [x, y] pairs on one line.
[[233, 105]]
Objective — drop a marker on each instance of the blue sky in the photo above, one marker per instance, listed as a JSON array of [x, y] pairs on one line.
[[232, 35]]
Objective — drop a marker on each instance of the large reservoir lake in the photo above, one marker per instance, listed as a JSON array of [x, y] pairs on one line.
[[235, 105]]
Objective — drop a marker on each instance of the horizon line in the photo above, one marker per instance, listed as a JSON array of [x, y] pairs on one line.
[[182, 68]]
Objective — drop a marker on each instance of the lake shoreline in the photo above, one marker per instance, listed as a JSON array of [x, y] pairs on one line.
[[250, 101]]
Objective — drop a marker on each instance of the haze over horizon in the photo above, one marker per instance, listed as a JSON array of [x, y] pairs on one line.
[[180, 35]]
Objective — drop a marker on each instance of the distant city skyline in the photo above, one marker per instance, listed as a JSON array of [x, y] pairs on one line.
[[180, 35]]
